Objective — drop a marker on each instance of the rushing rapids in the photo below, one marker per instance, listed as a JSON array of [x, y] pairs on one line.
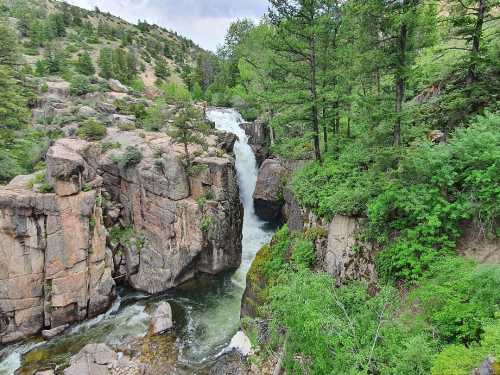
[[206, 311]]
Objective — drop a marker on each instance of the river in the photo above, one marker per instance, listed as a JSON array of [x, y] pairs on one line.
[[206, 310]]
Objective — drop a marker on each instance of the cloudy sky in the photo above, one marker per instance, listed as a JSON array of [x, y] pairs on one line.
[[203, 21]]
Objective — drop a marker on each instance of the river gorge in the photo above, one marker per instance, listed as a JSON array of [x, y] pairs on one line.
[[206, 310]]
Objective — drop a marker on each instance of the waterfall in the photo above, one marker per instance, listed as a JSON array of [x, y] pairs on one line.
[[255, 234]]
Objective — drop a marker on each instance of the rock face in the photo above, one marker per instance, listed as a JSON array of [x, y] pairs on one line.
[[58, 256], [117, 86], [162, 319], [53, 267], [257, 139], [339, 252], [474, 245], [346, 258], [186, 224], [489, 367], [268, 195], [99, 359]]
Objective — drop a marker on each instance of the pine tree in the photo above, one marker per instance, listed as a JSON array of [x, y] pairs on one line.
[[106, 63], [84, 65], [161, 69], [8, 45], [13, 112], [188, 128], [297, 50]]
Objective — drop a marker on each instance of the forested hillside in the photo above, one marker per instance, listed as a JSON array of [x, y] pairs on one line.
[[43, 41]]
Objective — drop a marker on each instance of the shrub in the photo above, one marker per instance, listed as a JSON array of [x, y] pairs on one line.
[[461, 360], [91, 130], [126, 127], [80, 85], [342, 331], [303, 253], [458, 298], [107, 146], [206, 224], [132, 156], [435, 188], [175, 93]]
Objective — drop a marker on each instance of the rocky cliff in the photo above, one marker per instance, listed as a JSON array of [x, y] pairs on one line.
[[54, 266], [125, 208], [178, 224]]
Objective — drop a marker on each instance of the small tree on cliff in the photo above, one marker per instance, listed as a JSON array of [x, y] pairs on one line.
[[188, 128]]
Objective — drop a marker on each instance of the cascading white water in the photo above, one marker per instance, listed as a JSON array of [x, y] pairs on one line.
[[210, 314], [217, 323], [255, 235]]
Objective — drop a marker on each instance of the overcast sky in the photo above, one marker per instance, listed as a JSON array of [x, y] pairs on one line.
[[203, 21]]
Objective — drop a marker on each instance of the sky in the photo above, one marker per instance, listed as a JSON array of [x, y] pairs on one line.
[[203, 21]]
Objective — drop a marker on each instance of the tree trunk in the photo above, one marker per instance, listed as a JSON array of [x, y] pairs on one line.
[[314, 97], [325, 130], [271, 130], [476, 41], [400, 83]]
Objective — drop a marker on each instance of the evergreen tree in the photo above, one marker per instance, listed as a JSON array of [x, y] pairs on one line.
[[55, 59], [84, 65], [8, 45], [13, 112], [106, 63], [57, 25], [161, 69], [297, 47], [188, 128]]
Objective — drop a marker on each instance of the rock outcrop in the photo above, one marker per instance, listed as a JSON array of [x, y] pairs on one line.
[[53, 267], [186, 224], [257, 139], [117, 86], [161, 321], [340, 252], [346, 257], [268, 195], [474, 244], [99, 359]]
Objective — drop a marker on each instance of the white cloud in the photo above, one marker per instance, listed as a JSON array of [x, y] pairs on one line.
[[204, 21]]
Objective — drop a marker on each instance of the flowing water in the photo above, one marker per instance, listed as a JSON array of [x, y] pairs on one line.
[[206, 311]]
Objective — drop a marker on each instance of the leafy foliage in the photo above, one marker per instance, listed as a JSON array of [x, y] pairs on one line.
[[91, 130], [129, 158]]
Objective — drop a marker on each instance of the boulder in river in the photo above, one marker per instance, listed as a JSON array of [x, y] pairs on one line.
[[162, 319], [49, 334]]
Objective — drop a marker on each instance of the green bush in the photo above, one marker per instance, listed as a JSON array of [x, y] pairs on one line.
[[461, 360], [345, 185], [344, 330], [175, 93], [458, 298], [303, 253], [436, 188], [91, 130], [132, 156], [80, 85], [206, 224]]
